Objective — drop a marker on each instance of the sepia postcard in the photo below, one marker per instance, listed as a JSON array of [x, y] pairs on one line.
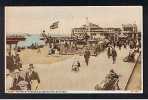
[[73, 49]]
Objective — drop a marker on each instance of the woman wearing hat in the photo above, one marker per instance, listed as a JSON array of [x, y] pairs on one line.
[[16, 80], [9, 80]]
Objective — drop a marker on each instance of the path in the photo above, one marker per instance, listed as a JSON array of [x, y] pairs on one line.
[[58, 76]]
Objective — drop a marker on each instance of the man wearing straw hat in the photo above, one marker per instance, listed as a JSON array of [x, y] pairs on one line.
[[33, 77]]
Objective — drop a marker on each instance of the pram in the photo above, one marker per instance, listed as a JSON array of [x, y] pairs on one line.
[[75, 66], [130, 58], [110, 83]]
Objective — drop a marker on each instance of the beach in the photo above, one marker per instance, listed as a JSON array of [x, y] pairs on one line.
[[29, 56], [56, 74]]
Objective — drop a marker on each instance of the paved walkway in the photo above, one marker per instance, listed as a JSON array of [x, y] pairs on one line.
[[136, 78], [58, 76]]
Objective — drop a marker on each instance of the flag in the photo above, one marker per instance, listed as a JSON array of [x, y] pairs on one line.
[[54, 25]]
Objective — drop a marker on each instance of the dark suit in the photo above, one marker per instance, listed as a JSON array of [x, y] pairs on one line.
[[33, 76], [114, 55], [87, 56]]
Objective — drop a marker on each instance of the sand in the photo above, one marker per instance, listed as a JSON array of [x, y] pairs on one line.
[[33, 56], [55, 71]]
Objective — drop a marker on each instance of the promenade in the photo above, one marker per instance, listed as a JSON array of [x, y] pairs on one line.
[[59, 76]]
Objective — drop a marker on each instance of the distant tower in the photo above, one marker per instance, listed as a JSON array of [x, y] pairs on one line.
[[135, 30], [87, 22], [88, 26]]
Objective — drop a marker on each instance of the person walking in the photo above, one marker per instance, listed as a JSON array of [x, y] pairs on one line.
[[109, 52], [96, 50], [33, 77], [124, 45], [17, 60], [38, 50], [114, 55], [87, 56], [120, 45]]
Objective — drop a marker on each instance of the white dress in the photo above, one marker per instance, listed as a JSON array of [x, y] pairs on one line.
[[9, 82]]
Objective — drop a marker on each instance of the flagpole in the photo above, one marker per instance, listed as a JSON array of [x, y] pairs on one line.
[[88, 27]]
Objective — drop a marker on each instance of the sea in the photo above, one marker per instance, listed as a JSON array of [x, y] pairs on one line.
[[31, 39]]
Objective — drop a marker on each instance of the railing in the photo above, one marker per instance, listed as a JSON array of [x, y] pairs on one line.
[[137, 60]]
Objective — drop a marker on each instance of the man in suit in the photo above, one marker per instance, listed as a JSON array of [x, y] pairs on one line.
[[87, 56], [109, 53], [114, 55], [33, 78]]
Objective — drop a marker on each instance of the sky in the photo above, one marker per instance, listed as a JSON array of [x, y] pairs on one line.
[[27, 19]]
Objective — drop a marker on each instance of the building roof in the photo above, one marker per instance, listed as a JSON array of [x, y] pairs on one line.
[[128, 25], [91, 25]]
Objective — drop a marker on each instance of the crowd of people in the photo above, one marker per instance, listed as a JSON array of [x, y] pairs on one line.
[[13, 61], [17, 77], [21, 79], [53, 49], [134, 46]]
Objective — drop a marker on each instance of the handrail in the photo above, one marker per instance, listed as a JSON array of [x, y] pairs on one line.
[[132, 71]]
